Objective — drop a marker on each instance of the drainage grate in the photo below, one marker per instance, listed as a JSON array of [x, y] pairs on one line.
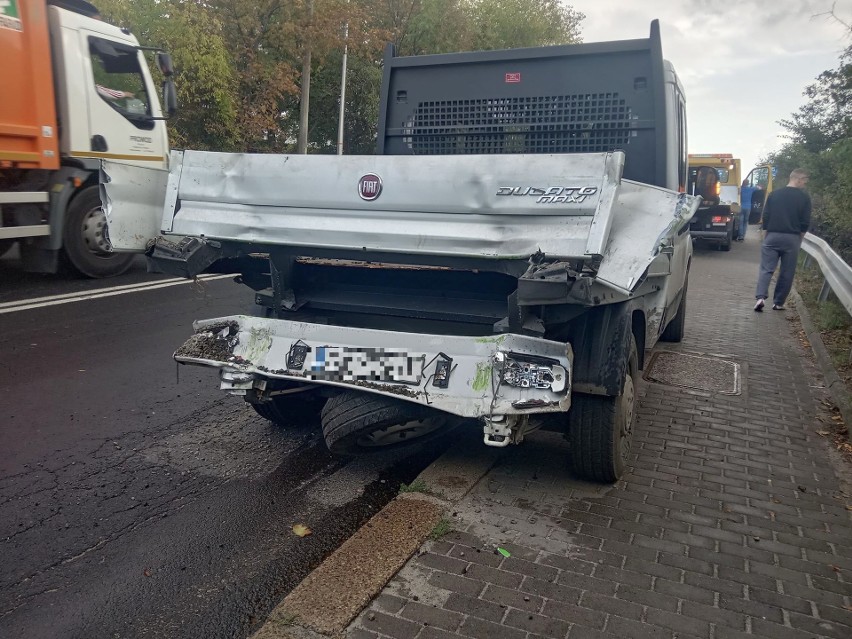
[[579, 123], [695, 371]]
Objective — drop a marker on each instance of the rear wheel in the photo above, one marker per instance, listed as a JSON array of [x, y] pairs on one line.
[[297, 409], [726, 245], [355, 423], [85, 240], [675, 329], [600, 428]]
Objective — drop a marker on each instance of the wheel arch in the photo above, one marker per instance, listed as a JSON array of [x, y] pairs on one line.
[[62, 193], [599, 340]]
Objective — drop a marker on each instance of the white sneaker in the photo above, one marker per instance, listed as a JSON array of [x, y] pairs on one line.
[[759, 305]]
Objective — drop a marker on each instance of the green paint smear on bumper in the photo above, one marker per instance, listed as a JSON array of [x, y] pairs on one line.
[[483, 376], [260, 340]]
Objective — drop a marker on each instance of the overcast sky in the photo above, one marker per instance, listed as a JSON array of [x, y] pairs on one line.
[[743, 63]]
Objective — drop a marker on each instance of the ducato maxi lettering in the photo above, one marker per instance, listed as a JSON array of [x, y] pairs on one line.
[[551, 194]]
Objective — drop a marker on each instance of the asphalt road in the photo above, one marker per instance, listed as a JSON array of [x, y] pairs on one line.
[[136, 502]]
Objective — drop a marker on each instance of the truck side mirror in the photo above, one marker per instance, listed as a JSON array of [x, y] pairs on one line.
[[170, 104], [164, 61]]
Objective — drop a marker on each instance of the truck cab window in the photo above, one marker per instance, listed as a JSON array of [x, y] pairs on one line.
[[758, 178], [119, 81]]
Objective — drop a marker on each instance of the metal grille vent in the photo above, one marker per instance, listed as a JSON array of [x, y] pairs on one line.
[[581, 123]]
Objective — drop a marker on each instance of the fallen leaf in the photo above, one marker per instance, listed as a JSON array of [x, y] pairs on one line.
[[823, 432], [300, 530], [504, 552], [147, 572], [836, 418], [835, 568]]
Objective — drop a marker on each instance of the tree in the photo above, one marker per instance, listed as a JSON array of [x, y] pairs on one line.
[[208, 114], [827, 116], [364, 80], [508, 24], [821, 142], [244, 65], [260, 38]]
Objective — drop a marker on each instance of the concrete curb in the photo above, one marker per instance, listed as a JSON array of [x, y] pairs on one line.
[[328, 600], [836, 387]]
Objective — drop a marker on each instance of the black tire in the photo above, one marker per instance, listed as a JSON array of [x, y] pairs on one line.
[[600, 428], [297, 409], [676, 329], [726, 245], [355, 423], [85, 241]]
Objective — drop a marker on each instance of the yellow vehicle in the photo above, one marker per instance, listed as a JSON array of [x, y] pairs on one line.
[[759, 183], [716, 178]]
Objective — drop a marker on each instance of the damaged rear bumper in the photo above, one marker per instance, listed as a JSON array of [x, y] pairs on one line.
[[472, 377], [720, 235]]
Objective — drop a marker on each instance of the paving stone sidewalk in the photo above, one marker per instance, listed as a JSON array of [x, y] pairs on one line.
[[731, 523]]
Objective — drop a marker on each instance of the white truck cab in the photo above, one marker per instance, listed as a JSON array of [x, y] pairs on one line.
[[105, 93], [76, 91]]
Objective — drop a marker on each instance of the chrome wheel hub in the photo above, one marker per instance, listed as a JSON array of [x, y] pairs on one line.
[[94, 232]]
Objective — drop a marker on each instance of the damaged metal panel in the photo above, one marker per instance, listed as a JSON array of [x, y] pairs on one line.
[[476, 206], [132, 198], [646, 220], [467, 376], [497, 207], [602, 222]]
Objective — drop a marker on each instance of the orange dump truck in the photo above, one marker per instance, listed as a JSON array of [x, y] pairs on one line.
[[75, 90]]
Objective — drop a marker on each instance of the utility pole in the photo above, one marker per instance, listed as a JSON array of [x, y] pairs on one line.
[[305, 99], [343, 89]]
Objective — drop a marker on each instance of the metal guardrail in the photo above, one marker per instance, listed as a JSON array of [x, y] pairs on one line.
[[837, 273]]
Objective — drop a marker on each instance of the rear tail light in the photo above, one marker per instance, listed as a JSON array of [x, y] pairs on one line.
[[719, 218]]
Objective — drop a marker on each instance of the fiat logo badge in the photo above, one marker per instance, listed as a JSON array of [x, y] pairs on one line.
[[370, 187]]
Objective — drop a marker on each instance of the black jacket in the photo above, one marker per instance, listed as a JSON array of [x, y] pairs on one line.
[[787, 210]]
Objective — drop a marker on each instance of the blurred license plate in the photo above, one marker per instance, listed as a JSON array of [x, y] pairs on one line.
[[342, 364]]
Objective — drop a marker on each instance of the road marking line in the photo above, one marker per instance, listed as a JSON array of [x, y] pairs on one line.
[[48, 298], [66, 298]]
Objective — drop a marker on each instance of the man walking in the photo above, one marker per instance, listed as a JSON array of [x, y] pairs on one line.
[[786, 217]]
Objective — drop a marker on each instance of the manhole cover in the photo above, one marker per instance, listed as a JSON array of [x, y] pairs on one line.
[[694, 371]]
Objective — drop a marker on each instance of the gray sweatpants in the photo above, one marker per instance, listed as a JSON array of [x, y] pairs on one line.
[[775, 247]]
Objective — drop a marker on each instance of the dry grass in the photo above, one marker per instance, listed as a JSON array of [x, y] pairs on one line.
[[835, 328]]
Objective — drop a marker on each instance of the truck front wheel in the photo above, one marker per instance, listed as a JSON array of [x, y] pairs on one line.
[[354, 423], [85, 239], [600, 428]]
